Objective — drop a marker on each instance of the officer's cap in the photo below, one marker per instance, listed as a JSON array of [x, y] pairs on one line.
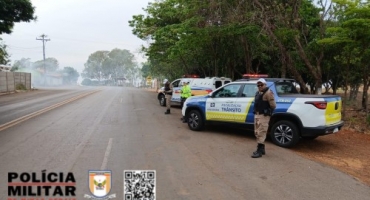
[[261, 80]]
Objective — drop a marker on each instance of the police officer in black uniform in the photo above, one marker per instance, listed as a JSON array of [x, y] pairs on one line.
[[168, 92]]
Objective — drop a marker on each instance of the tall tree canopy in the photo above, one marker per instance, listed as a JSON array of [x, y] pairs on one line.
[[70, 75], [230, 38], [113, 64], [50, 65], [13, 11]]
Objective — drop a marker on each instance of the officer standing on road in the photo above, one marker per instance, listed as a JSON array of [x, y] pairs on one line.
[[263, 108], [168, 92], [185, 92]]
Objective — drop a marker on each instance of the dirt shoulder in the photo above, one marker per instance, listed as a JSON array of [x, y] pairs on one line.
[[347, 151]]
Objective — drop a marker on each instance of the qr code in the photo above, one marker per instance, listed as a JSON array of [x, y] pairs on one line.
[[139, 184]]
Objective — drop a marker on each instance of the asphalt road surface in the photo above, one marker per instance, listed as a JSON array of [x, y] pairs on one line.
[[119, 129]]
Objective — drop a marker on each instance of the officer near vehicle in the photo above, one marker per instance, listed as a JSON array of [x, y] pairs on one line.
[[263, 108], [168, 92], [185, 91]]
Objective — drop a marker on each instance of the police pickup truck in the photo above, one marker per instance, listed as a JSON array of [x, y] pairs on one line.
[[296, 115]]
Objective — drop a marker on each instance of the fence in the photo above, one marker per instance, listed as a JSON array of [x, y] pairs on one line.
[[10, 80]]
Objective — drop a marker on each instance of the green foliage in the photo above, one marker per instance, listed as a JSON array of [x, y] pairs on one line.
[[20, 86], [146, 70], [4, 56], [311, 41], [223, 38], [23, 63], [49, 65], [14, 11], [70, 75], [86, 82], [110, 65]]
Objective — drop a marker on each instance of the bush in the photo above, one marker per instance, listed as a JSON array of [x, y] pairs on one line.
[[368, 119], [86, 82], [20, 86]]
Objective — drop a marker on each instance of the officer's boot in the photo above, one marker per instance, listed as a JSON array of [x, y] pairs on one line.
[[258, 152], [167, 112], [263, 149]]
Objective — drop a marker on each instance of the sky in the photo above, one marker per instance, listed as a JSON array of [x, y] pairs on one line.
[[76, 29]]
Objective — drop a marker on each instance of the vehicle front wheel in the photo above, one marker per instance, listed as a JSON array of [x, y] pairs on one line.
[[195, 120], [162, 100], [284, 133]]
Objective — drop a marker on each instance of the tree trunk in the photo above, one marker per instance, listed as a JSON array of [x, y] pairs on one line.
[[335, 86], [184, 64], [318, 86], [247, 56], [283, 71], [346, 87], [364, 93]]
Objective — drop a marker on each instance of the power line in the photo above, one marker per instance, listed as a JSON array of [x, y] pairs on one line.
[[14, 47], [87, 41], [98, 42]]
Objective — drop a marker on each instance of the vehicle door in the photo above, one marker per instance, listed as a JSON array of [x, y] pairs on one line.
[[176, 95], [246, 102], [221, 106]]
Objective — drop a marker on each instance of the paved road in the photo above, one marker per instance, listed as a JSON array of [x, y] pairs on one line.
[[15, 105], [125, 129]]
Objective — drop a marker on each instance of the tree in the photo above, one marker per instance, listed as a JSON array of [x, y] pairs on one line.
[[50, 65], [232, 37], [14, 11], [353, 33], [145, 69], [23, 63], [94, 65], [119, 63], [70, 75], [4, 56], [110, 65]]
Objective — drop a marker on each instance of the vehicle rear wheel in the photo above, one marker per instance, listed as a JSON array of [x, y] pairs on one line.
[[284, 133], [195, 120], [162, 100]]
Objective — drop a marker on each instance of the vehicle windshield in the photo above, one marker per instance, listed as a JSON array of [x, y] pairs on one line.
[[285, 88]]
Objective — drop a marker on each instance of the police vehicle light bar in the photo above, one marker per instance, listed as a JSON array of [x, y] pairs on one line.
[[190, 76], [255, 76]]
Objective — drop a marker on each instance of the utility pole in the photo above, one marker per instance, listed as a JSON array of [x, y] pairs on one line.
[[43, 38]]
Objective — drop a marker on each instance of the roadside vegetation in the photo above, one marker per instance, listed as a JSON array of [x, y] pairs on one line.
[[110, 68], [314, 42], [324, 45]]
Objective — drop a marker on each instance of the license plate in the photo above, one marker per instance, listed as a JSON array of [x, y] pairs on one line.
[[335, 130]]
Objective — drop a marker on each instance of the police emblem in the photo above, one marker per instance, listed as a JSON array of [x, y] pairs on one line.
[[100, 183]]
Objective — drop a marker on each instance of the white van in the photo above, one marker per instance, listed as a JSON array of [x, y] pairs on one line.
[[199, 86], [214, 82]]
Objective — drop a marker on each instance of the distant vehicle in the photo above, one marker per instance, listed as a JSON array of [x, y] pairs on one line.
[[296, 115], [199, 86]]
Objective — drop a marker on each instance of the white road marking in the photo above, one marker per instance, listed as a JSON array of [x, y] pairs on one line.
[[106, 155]]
